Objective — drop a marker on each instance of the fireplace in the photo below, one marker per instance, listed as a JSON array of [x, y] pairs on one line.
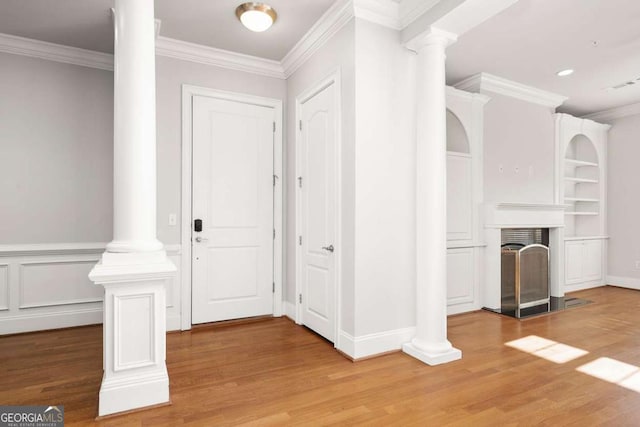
[[524, 271]]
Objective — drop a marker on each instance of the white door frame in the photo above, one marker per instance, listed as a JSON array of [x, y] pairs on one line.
[[332, 78], [188, 92]]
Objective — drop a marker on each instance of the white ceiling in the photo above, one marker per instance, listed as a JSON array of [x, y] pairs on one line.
[[533, 39], [526, 43], [87, 23]]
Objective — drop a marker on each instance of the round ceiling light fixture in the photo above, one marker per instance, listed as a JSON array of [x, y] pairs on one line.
[[257, 17], [564, 73]]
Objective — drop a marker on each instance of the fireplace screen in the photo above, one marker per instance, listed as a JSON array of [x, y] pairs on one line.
[[525, 278]]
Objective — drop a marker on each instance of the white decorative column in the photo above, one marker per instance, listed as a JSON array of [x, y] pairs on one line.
[[134, 270], [430, 343]]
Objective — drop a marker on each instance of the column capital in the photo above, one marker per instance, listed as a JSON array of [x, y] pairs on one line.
[[430, 37]]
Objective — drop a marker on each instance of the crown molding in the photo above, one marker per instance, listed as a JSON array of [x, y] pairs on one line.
[[329, 24], [206, 55], [487, 82], [471, 96], [381, 12], [55, 52], [615, 113], [410, 10]]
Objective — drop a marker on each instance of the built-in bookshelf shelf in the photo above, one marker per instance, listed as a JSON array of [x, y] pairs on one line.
[[581, 180], [580, 163], [581, 213], [581, 199]]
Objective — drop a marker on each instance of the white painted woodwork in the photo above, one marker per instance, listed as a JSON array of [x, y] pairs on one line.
[[134, 270], [430, 344], [581, 175], [4, 287], [317, 211], [189, 93], [459, 197], [233, 196], [460, 276]]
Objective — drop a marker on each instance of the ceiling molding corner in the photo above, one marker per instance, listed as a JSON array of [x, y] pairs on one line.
[[382, 12], [339, 14], [55, 52], [614, 113], [463, 94], [206, 55], [488, 82], [410, 10]]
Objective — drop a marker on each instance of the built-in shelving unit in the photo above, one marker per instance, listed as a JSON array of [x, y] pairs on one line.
[[581, 186]]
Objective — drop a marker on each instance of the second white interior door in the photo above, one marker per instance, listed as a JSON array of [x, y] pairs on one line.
[[232, 257]]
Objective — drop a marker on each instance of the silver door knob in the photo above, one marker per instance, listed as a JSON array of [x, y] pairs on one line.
[[328, 248], [200, 239]]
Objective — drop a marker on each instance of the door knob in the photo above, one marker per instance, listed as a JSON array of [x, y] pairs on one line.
[[200, 239], [328, 248]]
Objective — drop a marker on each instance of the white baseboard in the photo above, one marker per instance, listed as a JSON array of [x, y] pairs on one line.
[[624, 282], [57, 320], [173, 322], [583, 286], [372, 344], [289, 310], [461, 308]]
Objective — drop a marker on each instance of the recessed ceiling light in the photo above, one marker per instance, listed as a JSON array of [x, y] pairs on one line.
[[564, 73], [257, 17]]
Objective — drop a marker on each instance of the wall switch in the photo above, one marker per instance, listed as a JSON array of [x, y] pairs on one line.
[[500, 169], [516, 169], [637, 265], [173, 220]]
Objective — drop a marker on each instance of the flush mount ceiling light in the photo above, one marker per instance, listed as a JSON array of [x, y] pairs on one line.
[[564, 73], [257, 17]]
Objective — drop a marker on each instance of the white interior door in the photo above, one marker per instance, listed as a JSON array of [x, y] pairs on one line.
[[232, 257], [317, 192]]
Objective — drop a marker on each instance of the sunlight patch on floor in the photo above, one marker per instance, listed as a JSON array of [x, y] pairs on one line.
[[547, 349], [613, 371]]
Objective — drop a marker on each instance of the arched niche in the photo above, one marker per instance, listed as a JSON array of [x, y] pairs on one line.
[[457, 140], [580, 147]]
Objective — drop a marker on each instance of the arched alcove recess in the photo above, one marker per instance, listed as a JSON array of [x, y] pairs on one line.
[[464, 198]]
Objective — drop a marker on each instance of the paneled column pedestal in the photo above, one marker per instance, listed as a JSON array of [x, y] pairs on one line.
[[135, 372], [430, 344]]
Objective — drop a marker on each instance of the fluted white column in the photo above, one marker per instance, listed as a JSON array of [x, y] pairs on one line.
[[134, 161], [134, 270], [430, 343]]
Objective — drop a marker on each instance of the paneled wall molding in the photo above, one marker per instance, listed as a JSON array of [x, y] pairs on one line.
[[218, 57], [55, 52], [51, 249], [615, 113], [488, 82]]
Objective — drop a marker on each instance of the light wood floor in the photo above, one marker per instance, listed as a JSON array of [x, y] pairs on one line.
[[276, 373]]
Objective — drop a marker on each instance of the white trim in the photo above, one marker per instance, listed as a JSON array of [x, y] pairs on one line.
[[334, 78], [463, 94], [218, 57], [624, 282], [55, 52], [615, 113], [376, 343], [188, 92], [329, 24], [484, 81], [54, 320], [290, 310], [410, 10], [52, 249], [381, 12]]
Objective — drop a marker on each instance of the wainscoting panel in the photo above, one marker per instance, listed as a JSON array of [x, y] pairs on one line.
[[46, 287], [463, 283]]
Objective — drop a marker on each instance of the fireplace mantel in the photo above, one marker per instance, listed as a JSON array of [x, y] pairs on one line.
[[524, 215]]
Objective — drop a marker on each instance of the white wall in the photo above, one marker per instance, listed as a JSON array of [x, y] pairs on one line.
[[518, 135], [385, 181], [337, 53], [623, 204], [56, 155]]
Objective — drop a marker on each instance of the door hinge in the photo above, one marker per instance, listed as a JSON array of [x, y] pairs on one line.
[[273, 288], [300, 181], [300, 298], [274, 233], [274, 127], [300, 124], [275, 178], [300, 240]]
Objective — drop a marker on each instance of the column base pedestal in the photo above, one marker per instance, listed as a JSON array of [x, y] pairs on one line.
[[120, 395], [432, 358]]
